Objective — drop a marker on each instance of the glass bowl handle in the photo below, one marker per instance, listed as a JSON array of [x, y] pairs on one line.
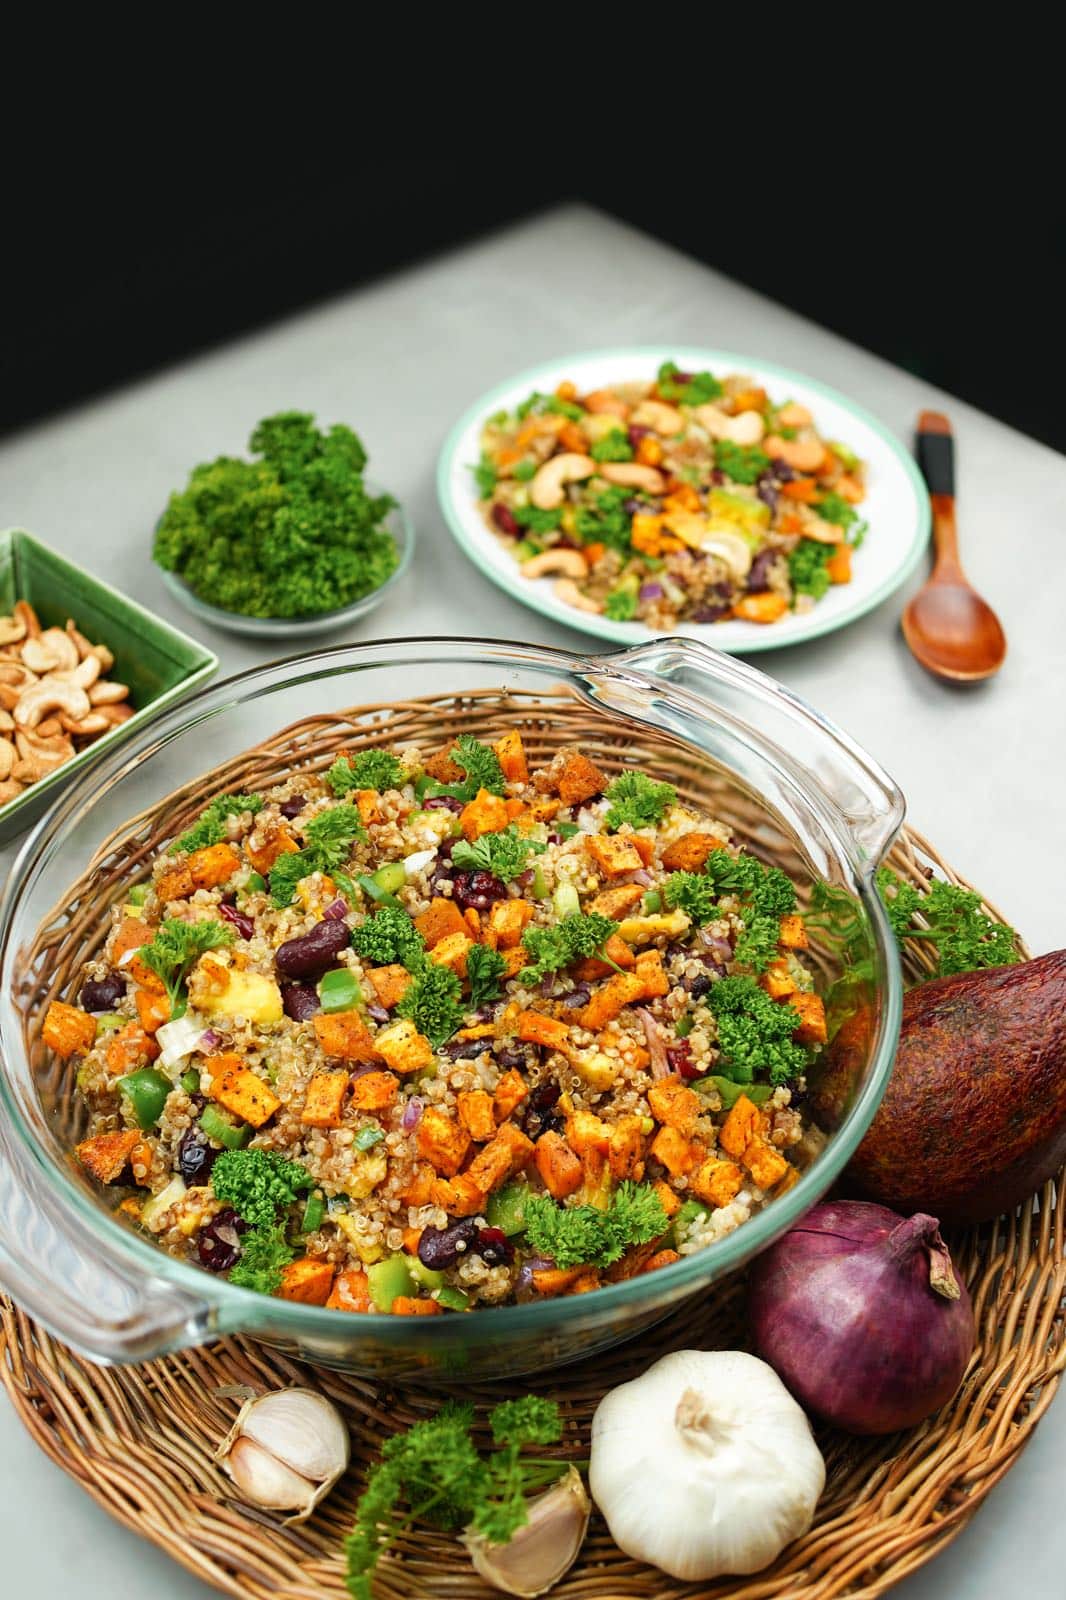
[[859, 791], [107, 1309]]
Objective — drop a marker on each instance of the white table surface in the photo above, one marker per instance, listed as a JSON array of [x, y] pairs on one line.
[[982, 769]]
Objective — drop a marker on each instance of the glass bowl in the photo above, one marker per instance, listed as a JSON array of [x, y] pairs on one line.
[[295, 628], [790, 785]]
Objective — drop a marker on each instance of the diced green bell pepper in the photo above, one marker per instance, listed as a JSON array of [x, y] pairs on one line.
[[683, 1026], [565, 900], [651, 903], [506, 1208], [256, 884], [690, 1210], [314, 1214], [190, 1081], [108, 1022], [388, 1279], [368, 1137], [138, 894], [453, 1299], [426, 1277], [730, 1092], [390, 877], [540, 885], [216, 1124], [566, 830], [339, 991], [147, 1091], [526, 549], [369, 884]]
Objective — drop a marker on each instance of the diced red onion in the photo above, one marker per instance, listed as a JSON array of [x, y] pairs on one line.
[[651, 591], [660, 1066], [336, 910], [377, 1013], [209, 1040], [720, 949], [412, 1113], [643, 877], [529, 1266]]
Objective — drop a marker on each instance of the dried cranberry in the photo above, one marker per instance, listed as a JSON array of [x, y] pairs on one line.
[[219, 1245], [680, 1058], [244, 925], [698, 985], [494, 1247], [543, 1095], [465, 1049], [102, 994], [538, 1114], [503, 517], [637, 433], [555, 838], [300, 1001], [478, 890], [759, 575], [292, 808], [442, 1247], [442, 802], [513, 1058], [196, 1156], [711, 613]]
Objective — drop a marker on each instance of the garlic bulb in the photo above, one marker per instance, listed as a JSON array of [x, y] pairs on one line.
[[544, 1549], [286, 1450], [704, 1465]]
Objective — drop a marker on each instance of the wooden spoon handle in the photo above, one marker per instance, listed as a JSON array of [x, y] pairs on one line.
[[936, 457]]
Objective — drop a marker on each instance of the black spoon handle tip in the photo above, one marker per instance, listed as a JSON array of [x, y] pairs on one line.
[[936, 453]]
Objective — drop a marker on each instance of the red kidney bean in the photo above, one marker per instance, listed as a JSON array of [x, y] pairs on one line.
[[196, 1155], [504, 520], [313, 952], [292, 808], [244, 925], [439, 1248], [102, 994], [299, 1001], [442, 802]]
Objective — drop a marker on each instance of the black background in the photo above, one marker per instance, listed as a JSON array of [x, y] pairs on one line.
[[108, 276]]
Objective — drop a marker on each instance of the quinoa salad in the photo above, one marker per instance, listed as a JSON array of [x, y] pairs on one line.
[[424, 1033], [690, 499]]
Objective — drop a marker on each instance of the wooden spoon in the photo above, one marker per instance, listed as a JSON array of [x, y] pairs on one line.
[[951, 631]]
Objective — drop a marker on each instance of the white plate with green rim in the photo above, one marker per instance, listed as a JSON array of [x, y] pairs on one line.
[[896, 505]]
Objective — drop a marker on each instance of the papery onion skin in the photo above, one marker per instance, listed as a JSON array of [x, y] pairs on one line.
[[844, 1309]]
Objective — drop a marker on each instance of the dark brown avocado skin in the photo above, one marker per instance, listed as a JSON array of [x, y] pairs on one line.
[[974, 1116]]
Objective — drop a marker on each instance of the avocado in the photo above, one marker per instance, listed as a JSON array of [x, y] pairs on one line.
[[747, 515], [974, 1116]]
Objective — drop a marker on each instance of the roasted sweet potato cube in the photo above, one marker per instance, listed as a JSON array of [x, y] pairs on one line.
[[777, 981], [555, 1280], [345, 1036], [689, 853], [661, 1258], [264, 847], [793, 933], [652, 973], [674, 1104], [511, 1090], [617, 954], [452, 951], [476, 1114], [441, 766], [374, 1091], [108, 1155], [544, 810], [420, 1185], [743, 1124], [366, 803], [130, 1047], [241, 1091], [515, 808], [626, 1155], [307, 1280], [350, 1292], [324, 1101], [669, 1198], [811, 1027], [560, 1169], [611, 998], [442, 1141], [511, 754], [67, 1030], [406, 1305], [442, 918], [536, 1028], [717, 1182], [614, 903], [460, 1196], [212, 865], [514, 960], [508, 920], [176, 884], [129, 936], [586, 1131], [390, 984], [403, 1048], [789, 1181], [613, 856], [412, 1237], [766, 1165], [152, 1009], [676, 1153], [486, 813], [578, 778], [499, 1160]]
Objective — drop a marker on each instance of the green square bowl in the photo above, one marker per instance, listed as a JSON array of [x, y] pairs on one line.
[[159, 663]]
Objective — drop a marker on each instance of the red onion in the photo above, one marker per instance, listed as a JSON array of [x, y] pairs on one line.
[[660, 1066], [412, 1113], [336, 910], [651, 591], [860, 1313], [209, 1040]]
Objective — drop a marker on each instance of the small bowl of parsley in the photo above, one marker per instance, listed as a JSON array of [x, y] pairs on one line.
[[294, 541]]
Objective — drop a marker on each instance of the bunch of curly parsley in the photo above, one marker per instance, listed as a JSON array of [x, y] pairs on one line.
[[292, 534]]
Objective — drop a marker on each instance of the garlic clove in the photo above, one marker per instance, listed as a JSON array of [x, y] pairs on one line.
[[302, 1430], [265, 1480], [544, 1549]]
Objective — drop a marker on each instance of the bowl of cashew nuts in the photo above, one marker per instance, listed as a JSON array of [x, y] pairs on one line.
[[79, 664]]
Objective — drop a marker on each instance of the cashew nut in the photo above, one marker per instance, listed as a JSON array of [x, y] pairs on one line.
[[569, 562], [81, 643], [28, 617], [567, 591], [83, 676], [631, 475], [659, 417], [50, 651], [106, 693], [94, 723], [41, 698], [605, 402], [104, 656], [7, 721], [117, 713], [804, 455], [14, 673], [10, 790], [12, 629], [546, 489], [818, 529], [55, 749], [794, 416], [746, 428], [7, 759]]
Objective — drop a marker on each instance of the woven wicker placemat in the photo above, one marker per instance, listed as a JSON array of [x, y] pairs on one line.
[[140, 1440]]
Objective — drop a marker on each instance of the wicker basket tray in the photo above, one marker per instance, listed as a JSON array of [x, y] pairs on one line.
[[140, 1440]]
